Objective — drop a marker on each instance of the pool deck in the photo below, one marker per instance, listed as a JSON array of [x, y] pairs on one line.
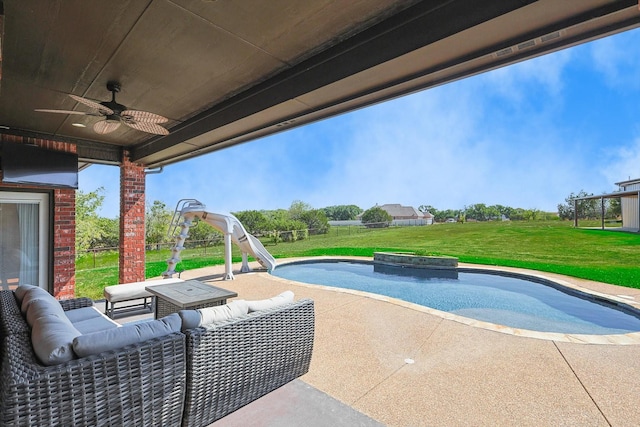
[[402, 365]]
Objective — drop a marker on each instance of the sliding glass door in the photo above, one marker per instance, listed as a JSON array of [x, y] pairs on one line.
[[24, 231]]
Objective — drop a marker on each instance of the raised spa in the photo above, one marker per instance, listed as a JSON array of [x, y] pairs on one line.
[[502, 298]]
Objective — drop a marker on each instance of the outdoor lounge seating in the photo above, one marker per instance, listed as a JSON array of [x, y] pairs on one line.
[[189, 377]]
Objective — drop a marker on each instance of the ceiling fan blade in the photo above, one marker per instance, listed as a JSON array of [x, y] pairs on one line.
[[133, 116], [43, 110], [93, 104], [148, 127], [104, 127]]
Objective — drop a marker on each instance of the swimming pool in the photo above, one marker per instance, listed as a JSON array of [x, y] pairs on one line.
[[512, 300]]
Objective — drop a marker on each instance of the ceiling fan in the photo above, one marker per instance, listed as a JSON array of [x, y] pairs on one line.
[[114, 114]]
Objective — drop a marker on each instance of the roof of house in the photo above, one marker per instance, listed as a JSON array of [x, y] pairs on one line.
[[397, 210], [628, 182]]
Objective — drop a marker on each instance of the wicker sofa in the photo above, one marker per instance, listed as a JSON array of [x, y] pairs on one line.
[[233, 362], [141, 384], [189, 378]]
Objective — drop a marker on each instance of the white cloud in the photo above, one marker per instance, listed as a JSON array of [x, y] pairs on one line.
[[617, 59], [442, 148], [624, 163]]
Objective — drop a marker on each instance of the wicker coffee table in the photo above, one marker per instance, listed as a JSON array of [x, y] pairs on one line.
[[190, 294]]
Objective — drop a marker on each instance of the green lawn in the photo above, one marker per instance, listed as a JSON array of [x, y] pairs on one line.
[[553, 246]]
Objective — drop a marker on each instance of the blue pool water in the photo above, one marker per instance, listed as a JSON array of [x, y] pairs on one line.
[[494, 298]]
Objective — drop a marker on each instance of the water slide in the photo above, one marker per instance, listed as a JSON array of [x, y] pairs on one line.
[[190, 210]]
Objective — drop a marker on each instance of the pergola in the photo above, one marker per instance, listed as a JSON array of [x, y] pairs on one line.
[[629, 194], [226, 72]]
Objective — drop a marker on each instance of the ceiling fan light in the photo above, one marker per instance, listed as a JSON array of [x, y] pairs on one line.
[[106, 126]]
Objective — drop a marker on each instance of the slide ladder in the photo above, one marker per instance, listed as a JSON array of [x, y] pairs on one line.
[[189, 211]]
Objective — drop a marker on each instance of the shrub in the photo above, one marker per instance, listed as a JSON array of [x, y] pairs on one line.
[[316, 221], [376, 217]]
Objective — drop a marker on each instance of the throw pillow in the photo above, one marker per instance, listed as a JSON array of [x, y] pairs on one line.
[[44, 307], [283, 298], [203, 316], [21, 291], [51, 338], [34, 294], [223, 312]]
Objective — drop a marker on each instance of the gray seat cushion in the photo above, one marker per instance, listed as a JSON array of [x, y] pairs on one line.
[[84, 313], [95, 324], [111, 339]]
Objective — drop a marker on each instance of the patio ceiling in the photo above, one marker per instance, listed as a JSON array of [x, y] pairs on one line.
[[225, 72]]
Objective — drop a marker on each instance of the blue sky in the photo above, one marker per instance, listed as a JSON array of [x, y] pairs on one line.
[[522, 136]]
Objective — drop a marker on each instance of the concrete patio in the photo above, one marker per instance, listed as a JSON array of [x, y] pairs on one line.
[[381, 361]]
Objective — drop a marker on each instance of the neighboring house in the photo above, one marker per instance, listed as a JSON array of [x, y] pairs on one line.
[[406, 215], [629, 194], [397, 211]]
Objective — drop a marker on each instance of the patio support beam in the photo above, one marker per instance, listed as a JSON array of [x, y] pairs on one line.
[[132, 215], [419, 25]]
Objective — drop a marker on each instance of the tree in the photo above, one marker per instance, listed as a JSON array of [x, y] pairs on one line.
[[587, 209], [505, 210], [202, 231], [443, 215], [284, 228], [297, 209], [376, 217], [316, 221], [428, 208], [342, 212], [313, 219], [158, 219], [478, 212], [88, 227], [531, 214], [614, 208], [253, 221], [111, 233]]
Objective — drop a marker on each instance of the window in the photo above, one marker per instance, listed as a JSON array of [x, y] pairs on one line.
[[24, 231]]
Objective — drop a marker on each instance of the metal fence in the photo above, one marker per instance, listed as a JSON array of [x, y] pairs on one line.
[[94, 258]]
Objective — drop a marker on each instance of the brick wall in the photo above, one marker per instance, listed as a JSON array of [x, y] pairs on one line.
[[132, 227], [63, 204]]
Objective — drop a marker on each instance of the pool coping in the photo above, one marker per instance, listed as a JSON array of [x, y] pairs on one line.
[[631, 338]]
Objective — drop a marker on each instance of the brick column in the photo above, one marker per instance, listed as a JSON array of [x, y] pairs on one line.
[[132, 227], [64, 243]]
